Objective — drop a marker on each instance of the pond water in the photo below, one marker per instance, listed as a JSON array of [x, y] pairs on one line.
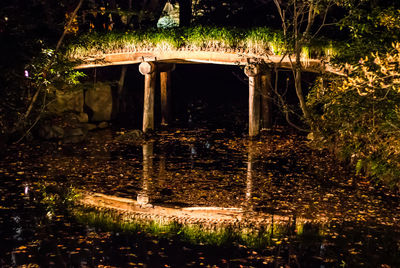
[[315, 212]]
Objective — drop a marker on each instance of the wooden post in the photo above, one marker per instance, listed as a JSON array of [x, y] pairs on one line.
[[252, 71], [121, 107], [148, 70], [266, 103], [165, 85]]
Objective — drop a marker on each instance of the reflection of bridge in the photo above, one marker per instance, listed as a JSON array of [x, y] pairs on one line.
[[143, 207], [161, 62], [131, 210]]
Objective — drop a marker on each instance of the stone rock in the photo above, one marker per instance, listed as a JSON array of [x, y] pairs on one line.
[[71, 100], [48, 132], [83, 117], [103, 125], [99, 100], [74, 132], [136, 133], [132, 136], [73, 139], [74, 135], [89, 127]]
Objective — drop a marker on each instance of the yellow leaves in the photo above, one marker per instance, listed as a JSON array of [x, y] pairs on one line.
[[390, 19], [374, 73], [74, 26], [363, 60], [377, 60], [353, 251]]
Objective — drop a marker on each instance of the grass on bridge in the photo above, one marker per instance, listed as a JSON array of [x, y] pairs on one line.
[[257, 41]]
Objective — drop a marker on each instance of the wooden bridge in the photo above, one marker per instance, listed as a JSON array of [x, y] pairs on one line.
[[161, 62]]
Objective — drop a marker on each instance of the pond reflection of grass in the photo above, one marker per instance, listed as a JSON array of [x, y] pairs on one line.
[[260, 237]]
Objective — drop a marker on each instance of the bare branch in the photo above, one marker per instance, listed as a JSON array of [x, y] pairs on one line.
[[311, 16], [282, 15], [284, 106], [323, 21]]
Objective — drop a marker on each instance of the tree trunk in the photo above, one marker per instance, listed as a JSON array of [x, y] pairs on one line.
[[185, 12], [297, 82]]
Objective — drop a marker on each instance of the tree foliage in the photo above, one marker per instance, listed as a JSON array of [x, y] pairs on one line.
[[370, 26], [32, 60], [359, 116]]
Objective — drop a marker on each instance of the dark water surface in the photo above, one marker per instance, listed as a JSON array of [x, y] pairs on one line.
[[346, 221]]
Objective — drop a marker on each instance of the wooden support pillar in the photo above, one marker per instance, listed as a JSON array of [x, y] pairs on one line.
[[266, 100], [121, 105], [165, 86], [252, 71], [148, 70], [148, 108]]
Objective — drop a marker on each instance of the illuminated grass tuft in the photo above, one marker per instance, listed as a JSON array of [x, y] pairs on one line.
[[258, 41]]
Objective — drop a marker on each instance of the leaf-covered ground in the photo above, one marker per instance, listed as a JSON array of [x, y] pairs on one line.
[[354, 222]]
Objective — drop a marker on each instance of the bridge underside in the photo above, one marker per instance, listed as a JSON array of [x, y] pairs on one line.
[[160, 63], [260, 91]]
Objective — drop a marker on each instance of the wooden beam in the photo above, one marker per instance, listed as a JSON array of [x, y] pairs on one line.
[[148, 104], [148, 67], [266, 100], [251, 70], [186, 56]]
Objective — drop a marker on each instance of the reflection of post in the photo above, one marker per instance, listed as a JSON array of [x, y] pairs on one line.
[[162, 170], [250, 173], [143, 198]]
